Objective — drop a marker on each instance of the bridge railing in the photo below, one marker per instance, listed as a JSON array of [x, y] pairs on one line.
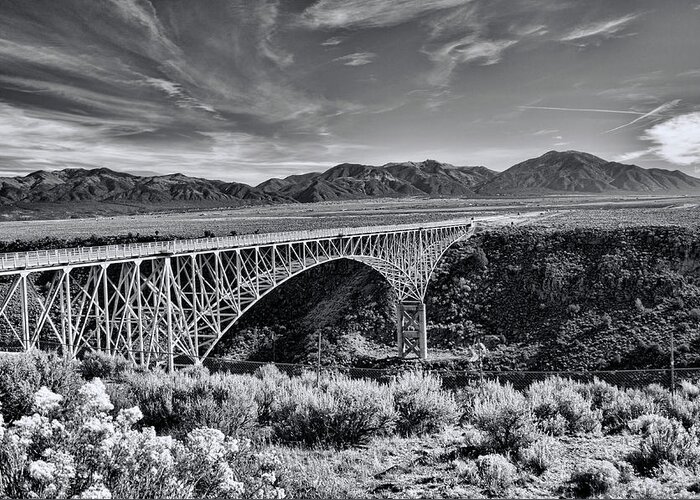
[[81, 255]]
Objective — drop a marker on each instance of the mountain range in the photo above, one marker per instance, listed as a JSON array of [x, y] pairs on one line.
[[553, 172], [74, 185], [349, 180]]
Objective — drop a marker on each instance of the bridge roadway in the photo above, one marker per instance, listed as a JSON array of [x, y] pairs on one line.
[[168, 303], [49, 259]]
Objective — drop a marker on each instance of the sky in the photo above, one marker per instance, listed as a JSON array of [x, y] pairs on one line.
[[245, 90]]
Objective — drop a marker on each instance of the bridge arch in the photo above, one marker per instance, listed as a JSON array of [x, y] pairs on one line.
[[155, 301], [377, 265], [393, 275]]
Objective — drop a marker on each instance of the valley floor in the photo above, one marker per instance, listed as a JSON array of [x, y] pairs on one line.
[[603, 211]]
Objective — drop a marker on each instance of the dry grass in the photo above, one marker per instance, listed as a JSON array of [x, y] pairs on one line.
[[432, 467]]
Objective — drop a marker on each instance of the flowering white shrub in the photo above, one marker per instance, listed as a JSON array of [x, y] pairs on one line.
[[45, 400], [89, 453]]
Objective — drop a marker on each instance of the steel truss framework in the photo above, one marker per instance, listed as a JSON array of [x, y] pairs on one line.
[[171, 304]]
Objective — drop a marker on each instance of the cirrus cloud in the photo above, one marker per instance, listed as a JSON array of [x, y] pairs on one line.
[[467, 50], [357, 59], [605, 28], [370, 13]]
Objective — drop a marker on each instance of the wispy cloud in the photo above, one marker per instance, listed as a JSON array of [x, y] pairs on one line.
[[658, 111], [480, 32], [178, 94], [356, 59], [145, 84], [468, 50], [584, 110], [677, 140], [633, 155], [330, 42], [693, 73], [37, 140], [600, 29], [370, 13], [134, 84]]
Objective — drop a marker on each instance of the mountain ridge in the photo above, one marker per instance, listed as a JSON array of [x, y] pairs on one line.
[[427, 178], [74, 185], [553, 172], [579, 172]]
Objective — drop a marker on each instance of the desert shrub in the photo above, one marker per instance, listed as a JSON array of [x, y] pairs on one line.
[[615, 405], [670, 481], [22, 374], [476, 442], [89, 453], [599, 393], [179, 402], [648, 488], [626, 406], [658, 393], [675, 406], [626, 469], [221, 401], [504, 417], [676, 476], [541, 455], [19, 380], [422, 406], [195, 370], [686, 411], [102, 365], [663, 440], [496, 474], [560, 409], [340, 413], [467, 471], [689, 389], [267, 391], [152, 392], [465, 397], [594, 477], [643, 423], [59, 375]]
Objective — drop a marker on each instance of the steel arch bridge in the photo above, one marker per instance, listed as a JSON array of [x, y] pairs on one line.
[[158, 303]]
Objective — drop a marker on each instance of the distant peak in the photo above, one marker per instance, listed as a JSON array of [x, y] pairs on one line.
[[571, 153], [39, 173], [554, 152]]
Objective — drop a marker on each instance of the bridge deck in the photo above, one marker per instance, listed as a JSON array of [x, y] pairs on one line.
[[18, 261]]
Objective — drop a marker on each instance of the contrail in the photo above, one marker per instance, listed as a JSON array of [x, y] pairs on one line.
[[589, 110], [655, 111]]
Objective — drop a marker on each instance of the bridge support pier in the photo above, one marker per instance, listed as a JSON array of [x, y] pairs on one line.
[[411, 333]]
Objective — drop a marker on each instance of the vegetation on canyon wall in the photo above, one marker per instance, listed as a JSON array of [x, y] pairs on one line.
[[540, 299]]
